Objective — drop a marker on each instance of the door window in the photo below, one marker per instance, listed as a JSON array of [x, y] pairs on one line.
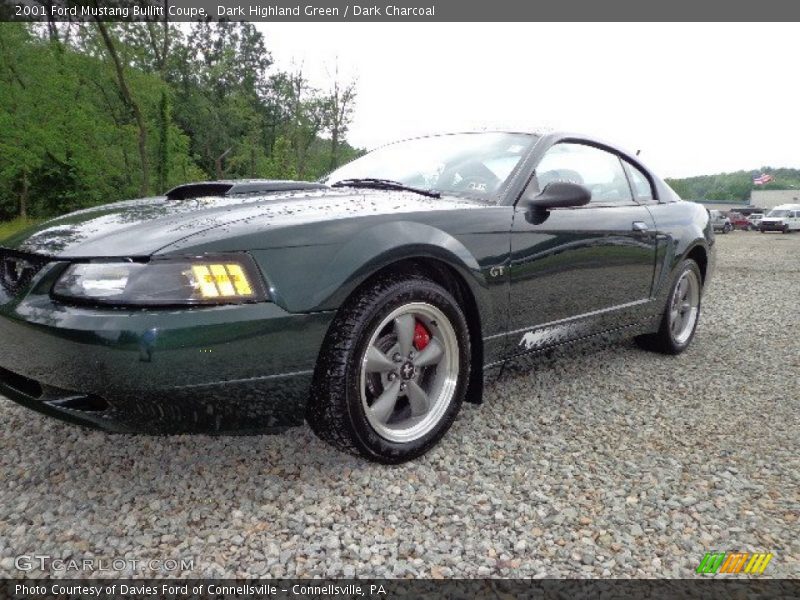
[[600, 171]]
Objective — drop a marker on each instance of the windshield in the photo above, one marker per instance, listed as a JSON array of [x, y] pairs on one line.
[[778, 213], [469, 164]]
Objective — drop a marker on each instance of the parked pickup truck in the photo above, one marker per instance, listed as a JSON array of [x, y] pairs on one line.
[[785, 218]]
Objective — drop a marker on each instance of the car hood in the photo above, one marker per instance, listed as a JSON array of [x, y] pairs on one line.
[[138, 228]]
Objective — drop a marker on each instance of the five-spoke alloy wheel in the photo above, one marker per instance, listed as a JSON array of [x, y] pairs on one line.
[[394, 369], [681, 313], [684, 306], [409, 372]]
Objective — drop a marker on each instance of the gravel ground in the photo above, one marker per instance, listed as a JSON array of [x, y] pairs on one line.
[[619, 463]]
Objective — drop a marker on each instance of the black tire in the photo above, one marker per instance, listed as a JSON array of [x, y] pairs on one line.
[[785, 229], [335, 411], [664, 341], [726, 229], [762, 230]]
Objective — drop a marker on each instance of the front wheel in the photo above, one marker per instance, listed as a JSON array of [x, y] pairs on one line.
[[726, 229], [681, 314], [785, 229], [393, 371]]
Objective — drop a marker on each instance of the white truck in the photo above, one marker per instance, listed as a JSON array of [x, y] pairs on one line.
[[785, 218]]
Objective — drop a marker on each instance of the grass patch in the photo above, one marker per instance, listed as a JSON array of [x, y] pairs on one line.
[[9, 228]]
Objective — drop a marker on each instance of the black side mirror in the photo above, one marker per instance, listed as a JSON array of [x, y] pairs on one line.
[[561, 194]]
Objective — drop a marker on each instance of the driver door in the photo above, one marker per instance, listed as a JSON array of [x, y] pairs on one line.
[[583, 270]]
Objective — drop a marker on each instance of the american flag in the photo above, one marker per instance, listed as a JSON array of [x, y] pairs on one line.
[[763, 179]]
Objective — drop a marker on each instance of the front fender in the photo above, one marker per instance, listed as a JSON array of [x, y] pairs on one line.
[[318, 278]]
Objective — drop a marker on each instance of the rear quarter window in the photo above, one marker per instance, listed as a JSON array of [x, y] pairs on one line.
[[642, 187]]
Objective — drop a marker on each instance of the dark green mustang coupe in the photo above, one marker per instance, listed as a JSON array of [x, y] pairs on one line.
[[371, 304]]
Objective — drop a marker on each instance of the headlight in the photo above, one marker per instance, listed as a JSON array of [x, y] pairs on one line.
[[217, 280]]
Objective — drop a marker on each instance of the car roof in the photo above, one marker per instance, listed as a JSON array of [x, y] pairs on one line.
[[436, 134], [540, 133]]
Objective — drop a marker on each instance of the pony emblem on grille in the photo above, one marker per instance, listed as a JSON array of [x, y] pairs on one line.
[[16, 269]]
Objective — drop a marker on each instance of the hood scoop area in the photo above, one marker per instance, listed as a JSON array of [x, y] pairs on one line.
[[205, 189]]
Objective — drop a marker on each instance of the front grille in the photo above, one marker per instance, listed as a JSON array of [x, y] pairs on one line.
[[17, 269]]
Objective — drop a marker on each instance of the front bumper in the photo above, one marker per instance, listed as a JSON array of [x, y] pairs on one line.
[[226, 369], [772, 225]]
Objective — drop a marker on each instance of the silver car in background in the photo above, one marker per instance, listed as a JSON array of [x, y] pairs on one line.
[[720, 221]]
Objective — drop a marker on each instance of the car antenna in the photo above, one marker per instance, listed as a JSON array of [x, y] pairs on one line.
[[637, 152]]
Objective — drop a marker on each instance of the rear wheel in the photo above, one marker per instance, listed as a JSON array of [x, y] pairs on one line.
[[681, 314], [727, 228], [785, 229], [393, 371]]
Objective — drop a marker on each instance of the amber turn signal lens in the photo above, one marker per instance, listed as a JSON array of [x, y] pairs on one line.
[[222, 281]]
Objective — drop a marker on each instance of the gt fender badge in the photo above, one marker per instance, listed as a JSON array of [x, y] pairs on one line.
[[497, 271]]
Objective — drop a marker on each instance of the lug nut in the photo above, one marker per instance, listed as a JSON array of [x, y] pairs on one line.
[[392, 376], [397, 357]]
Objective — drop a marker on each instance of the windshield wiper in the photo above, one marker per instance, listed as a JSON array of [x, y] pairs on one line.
[[384, 184]]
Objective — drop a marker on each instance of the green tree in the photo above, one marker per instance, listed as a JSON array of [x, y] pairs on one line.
[[280, 164], [341, 101], [95, 112], [131, 102], [735, 186]]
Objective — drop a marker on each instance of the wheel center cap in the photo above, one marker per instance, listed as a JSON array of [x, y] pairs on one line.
[[407, 371]]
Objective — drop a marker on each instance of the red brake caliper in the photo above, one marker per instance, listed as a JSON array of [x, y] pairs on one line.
[[421, 337]]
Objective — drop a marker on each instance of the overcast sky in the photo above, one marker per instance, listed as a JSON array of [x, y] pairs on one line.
[[696, 99]]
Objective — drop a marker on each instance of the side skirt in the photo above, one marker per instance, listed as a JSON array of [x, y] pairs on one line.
[[587, 344]]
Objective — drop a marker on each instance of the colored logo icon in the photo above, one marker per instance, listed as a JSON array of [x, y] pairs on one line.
[[734, 562]]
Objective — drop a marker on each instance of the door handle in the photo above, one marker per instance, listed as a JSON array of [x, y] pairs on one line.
[[639, 227]]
